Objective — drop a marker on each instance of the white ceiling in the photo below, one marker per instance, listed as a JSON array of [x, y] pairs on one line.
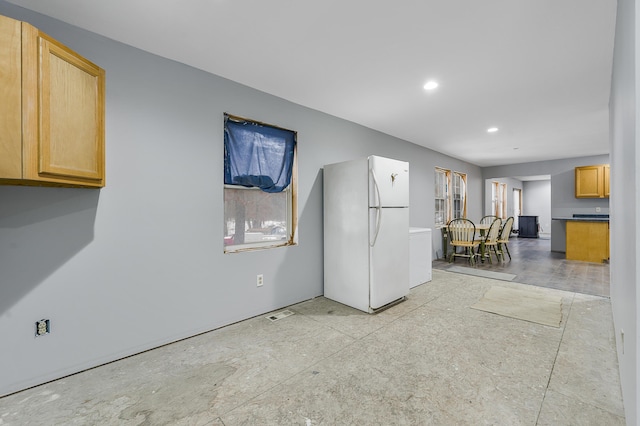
[[539, 70]]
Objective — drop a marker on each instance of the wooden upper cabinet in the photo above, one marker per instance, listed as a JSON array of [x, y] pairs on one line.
[[52, 127], [606, 180], [10, 98], [592, 181]]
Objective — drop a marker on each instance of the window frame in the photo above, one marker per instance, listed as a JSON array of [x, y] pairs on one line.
[[462, 177], [499, 199], [504, 201], [494, 197], [443, 199], [449, 178], [291, 205]]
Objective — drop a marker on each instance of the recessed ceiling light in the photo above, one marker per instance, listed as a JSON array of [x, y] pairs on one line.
[[492, 129], [430, 85]]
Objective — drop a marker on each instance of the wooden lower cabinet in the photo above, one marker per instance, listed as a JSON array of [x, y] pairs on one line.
[[587, 241]]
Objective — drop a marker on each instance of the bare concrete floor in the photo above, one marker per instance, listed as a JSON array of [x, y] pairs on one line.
[[428, 360]]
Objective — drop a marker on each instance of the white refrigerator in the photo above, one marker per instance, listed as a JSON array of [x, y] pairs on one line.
[[366, 232]]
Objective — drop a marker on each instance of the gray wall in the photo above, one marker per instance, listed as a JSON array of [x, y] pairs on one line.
[[625, 214], [536, 201], [511, 184], [563, 200], [140, 263]]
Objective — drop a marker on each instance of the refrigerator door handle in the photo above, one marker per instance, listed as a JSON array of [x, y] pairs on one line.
[[378, 209]]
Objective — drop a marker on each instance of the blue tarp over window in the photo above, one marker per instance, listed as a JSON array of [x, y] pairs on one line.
[[257, 155]]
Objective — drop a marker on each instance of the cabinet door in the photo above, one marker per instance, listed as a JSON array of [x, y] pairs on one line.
[[606, 180], [608, 252], [589, 182], [10, 96], [587, 241], [65, 131]]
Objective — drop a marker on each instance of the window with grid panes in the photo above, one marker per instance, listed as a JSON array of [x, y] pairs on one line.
[[458, 196], [499, 199], [441, 211], [450, 195]]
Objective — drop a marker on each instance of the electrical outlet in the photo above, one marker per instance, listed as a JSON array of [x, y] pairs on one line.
[[597, 209], [260, 280], [43, 327]]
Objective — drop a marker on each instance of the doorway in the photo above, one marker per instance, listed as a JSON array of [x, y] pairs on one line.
[[517, 207]]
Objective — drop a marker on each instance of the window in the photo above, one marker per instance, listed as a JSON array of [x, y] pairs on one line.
[[450, 195], [459, 195], [503, 198], [260, 184], [441, 197], [494, 197], [499, 199]]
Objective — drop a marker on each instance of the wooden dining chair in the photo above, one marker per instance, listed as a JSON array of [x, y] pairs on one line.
[[490, 241], [488, 220], [503, 239], [462, 237]]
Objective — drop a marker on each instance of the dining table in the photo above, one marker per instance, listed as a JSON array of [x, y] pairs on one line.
[[480, 228]]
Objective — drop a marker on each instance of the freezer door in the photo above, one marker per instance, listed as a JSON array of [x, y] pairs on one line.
[[389, 257], [389, 182]]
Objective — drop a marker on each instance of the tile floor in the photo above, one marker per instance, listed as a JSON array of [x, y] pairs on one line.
[[533, 262], [428, 360]]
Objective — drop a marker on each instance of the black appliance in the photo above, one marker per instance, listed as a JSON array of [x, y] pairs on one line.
[[528, 226]]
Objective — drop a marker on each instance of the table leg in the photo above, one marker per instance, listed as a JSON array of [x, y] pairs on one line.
[[445, 245]]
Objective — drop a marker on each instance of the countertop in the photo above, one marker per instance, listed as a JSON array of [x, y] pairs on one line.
[[585, 218]]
